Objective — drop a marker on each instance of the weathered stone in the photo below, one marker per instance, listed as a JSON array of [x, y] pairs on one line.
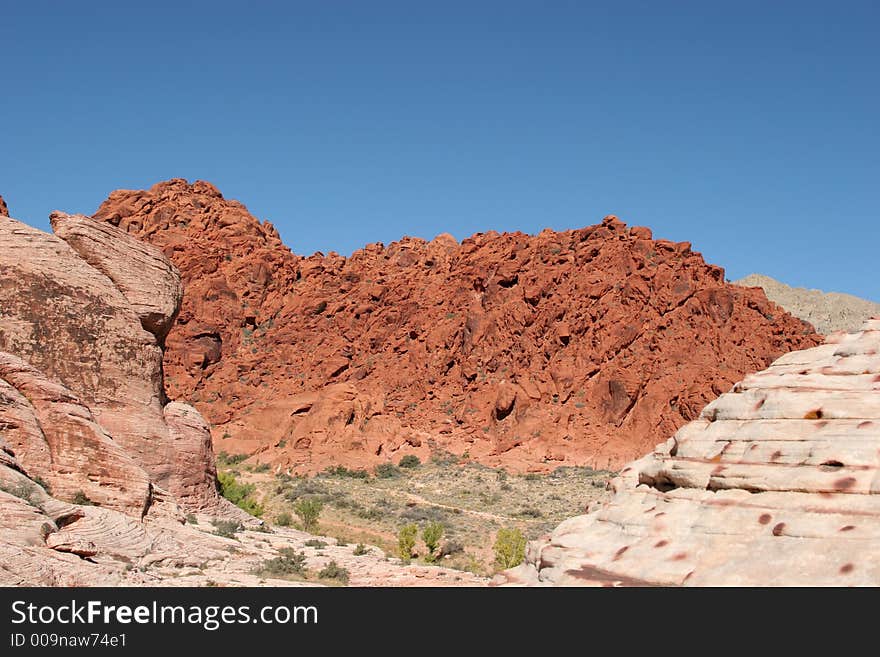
[[776, 483]]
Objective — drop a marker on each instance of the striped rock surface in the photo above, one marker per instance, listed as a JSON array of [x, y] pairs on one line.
[[776, 483]]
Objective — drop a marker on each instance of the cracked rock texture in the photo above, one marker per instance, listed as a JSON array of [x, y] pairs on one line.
[[583, 347], [775, 483]]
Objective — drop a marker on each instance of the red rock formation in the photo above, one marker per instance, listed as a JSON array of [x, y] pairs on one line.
[[581, 347], [4, 211]]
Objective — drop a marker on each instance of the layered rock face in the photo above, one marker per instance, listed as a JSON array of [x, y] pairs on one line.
[[582, 347], [83, 314], [776, 483]]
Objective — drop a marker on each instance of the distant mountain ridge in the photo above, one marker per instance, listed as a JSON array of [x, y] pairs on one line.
[[826, 311]]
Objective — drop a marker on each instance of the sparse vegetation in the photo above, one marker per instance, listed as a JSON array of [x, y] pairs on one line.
[[79, 497], [510, 548], [284, 519], [191, 519], [242, 495], [288, 562], [406, 541], [410, 461], [227, 528], [342, 471], [315, 543], [334, 571], [225, 460], [308, 509], [387, 471], [360, 549], [431, 535]]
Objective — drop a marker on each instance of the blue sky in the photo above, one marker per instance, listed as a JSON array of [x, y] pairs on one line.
[[747, 128]]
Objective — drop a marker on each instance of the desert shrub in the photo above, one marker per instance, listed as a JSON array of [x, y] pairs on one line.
[[284, 519], [360, 550], [342, 471], [423, 514], [227, 528], [82, 499], [530, 512], [431, 535], [387, 471], [410, 461], [305, 487], [370, 514], [315, 543], [228, 460], [334, 571], [288, 562], [262, 467], [510, 548], [308, 509], [191, 519], [241, 495], [406, 541], [532, 476], [443, 457]]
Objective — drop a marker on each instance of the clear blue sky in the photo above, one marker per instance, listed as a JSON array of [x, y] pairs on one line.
[[748, 128]]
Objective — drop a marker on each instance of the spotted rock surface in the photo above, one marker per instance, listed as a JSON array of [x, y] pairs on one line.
[[776, 483]]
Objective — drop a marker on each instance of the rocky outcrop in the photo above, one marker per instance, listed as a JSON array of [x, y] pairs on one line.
[[56, 441], [89, 404], [775, 483], [148, 281], [827, 311], [581, 347], [4, 210]]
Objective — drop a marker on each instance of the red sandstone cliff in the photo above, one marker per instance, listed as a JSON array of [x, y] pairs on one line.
[[582, 347]]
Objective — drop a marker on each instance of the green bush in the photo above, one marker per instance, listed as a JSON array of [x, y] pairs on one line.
[[191, 519], [288, 562], [410, 461], [284, 519], [360, 550], [387, 471], [308, 509], [431, 535], [510, 548], [406, 541], [241, 495], [334, 571], [315, 543]]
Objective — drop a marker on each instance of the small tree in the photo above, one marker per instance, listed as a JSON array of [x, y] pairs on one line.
[[431, 534], [406, 541], [510, 548], [308, 509]]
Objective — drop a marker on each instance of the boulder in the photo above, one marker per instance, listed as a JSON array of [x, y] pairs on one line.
[[777, 482]]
